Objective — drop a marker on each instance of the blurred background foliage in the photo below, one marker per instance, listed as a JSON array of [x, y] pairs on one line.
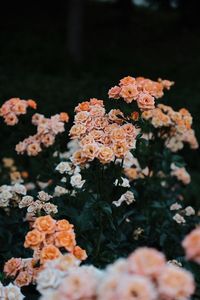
[[60, 53]]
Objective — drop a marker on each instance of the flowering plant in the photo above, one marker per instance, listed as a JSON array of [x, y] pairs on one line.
[[122, 182]]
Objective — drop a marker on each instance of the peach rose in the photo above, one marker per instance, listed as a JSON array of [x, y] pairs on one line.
[[127, 80], [12, 266], [20, 107], [31, 103], [145, 101], [120, 149], [23, 279], [49, 252], [33, 149], [78, 158], [63, 225], [118, 135], [77, 130], [84, 106], [129, 130], [88, 139], [90, 151], [146, 261], [100, 123], [97, 111], [105, 155], [129, 92], [97, 135], [45, 224], [48, 139], [81, 117], [79, 253], [11, 119], [33, 239], [95, 101], [114, 92], [135, 116], [116, 115], [65, 239], [175, 283], [64, 117], [191, 244]]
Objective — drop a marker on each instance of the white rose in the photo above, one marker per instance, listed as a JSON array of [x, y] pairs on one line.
[[48, 279], [13, 292], [63, 167], [59, 190], [76, 181], [175, 206], [125, 182], [179, 219], [44, 196], [26, 201], [189, 211], [128, 197], [19, 189]]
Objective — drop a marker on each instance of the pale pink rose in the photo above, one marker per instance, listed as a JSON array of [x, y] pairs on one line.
[[21, 147], [33, 149], [12, 266], [81, 117], [108, 286], [146, 261], [166, 83], [81, 283], [37, 118], [191, 244], [105, 155], [153, 88], [77, 130], [136, 287], [90, 151], [175, 283], [114, 92], [127, 80], [145, 101], [11, 119], [5, 109], [129, 92], [56, 125], [182, 175]]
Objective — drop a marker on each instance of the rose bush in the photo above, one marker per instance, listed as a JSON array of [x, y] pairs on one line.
[[118, 175]]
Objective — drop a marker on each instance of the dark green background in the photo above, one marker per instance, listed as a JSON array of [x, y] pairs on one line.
[[35, 61]]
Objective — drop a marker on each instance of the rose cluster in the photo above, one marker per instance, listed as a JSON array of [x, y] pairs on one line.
[[145, 275], [141, 90], [177, 124], [13, 108], [49, 236], [47, 129], [101, 135], [11, 194], [24, 271]]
